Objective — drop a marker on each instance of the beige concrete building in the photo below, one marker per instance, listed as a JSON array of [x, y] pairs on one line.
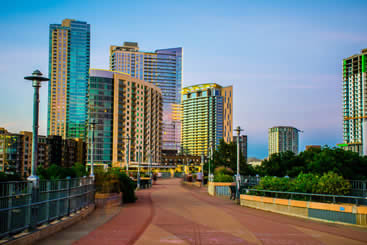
[[128, 113]]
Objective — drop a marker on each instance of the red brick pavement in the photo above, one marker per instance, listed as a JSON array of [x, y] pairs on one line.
[[126, 227], [251, 218], [172, 214]]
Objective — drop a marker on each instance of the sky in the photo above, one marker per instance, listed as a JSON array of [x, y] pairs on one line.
[[283, 58]]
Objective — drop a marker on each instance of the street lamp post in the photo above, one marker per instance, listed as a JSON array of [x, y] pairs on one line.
[[128, 138], [36, 79], [92, 124], [210, 159], [150, 166], [238, 130], [139, 159], [202, 169]]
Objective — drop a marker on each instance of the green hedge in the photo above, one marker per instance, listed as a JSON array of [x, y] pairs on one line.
[[329, 183], [114, 180], [223, 178]]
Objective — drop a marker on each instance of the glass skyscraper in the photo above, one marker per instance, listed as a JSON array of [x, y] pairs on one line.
[[69, 60], [162, 68]]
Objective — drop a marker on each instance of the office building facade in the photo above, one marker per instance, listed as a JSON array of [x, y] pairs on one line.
[[243, 144], [162, 68], [69, 60], [282, 139], [127, 111], [355, 103], [207, 117]]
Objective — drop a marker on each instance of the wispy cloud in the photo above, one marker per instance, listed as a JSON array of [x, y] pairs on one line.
[[343, 36]]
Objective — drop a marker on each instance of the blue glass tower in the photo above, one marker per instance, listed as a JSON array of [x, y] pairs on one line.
[[69, 61]]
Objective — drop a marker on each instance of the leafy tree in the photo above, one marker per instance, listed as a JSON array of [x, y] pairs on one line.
[[9, 177], [318, 161], [226, 155], [80, 170]]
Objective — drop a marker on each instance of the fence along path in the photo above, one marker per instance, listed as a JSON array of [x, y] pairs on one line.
[[23, 207]]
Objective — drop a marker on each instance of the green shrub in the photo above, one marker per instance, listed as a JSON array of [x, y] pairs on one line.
[[114, 180], [223, 178], [127, 186], [332, 183], [274, 184], [223, 170], [329, 183]]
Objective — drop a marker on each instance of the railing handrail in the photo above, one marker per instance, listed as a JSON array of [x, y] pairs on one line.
[[308, 194]]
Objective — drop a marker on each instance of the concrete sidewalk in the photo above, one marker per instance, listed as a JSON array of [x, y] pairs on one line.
[[82, 228]]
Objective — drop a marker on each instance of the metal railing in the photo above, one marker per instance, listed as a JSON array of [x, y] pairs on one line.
[[248, 181], [24, 207], [306, 196], [359, 187]]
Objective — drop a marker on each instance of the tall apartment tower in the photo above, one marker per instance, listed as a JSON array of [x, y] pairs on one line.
[[162, 68], [128, 112], [69, 57], [355, 103], [282, 139], [207, 117]]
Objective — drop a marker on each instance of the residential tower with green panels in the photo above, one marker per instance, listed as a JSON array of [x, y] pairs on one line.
[[355, 103], [206, 117]]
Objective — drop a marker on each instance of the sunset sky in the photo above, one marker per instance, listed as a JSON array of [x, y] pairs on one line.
[[283, 58]]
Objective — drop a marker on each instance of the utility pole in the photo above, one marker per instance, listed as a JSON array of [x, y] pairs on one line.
[[238, 177]]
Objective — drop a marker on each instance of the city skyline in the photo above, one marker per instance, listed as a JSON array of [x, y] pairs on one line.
[[292, 79]]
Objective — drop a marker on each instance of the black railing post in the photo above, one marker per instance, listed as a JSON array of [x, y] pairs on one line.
[[68, 180]]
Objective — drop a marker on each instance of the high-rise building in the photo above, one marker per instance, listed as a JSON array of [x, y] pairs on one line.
[[126, 110], [243, 144], [16, 152], [355, 103], [207, 117], [10, 152], [282, 139], [69, 57], [162, 68]]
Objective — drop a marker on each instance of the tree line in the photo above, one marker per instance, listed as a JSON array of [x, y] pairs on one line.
[[348, 164]]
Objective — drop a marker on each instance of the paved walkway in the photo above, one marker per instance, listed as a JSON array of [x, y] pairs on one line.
[[172, 214]]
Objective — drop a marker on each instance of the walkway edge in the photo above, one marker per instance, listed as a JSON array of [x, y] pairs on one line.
[[44, 232]]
